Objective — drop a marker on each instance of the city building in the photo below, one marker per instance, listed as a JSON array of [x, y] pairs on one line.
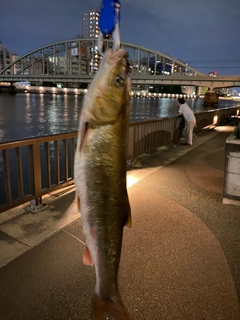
[[90, 29], [90, 24], [16, 67], [147, 66], [192, 90], [178, 69], [76, 64], [6, 57]]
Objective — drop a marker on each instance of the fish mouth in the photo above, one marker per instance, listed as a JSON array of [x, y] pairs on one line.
[[115, 56]]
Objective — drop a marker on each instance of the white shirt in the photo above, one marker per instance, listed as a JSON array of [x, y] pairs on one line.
[[187, 112]]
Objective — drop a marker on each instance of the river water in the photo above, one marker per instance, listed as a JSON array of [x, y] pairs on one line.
[[30, 115]]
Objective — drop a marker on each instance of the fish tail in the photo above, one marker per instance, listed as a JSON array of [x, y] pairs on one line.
[[118, 311], [102, 309]]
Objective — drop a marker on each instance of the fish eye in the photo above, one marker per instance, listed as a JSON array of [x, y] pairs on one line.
[[118, 81]]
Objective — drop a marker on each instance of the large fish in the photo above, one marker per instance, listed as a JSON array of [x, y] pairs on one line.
[[100, 178]]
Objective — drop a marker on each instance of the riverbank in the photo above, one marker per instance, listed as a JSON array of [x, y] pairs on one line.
[[77, 91], [236, 98]]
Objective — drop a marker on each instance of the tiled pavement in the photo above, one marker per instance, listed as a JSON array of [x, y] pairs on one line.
[[180, 260]]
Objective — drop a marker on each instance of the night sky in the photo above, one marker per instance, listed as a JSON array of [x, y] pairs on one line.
[[203, 33]]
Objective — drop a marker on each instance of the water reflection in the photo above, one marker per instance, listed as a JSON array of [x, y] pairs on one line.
[[2, 133], [28, 115], [41, 111], [65, 110]]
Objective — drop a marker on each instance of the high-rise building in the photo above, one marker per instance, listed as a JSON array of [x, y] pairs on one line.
[[90, 29], [90, 24]]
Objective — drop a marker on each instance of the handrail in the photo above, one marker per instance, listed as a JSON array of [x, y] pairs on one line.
[[33, 167]]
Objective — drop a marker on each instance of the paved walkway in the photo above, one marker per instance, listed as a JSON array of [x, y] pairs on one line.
[[180, 261]]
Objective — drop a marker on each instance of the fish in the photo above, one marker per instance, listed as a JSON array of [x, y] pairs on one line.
[[100, 178]]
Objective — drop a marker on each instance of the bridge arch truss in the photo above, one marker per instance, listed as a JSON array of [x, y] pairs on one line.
[[80, 57]]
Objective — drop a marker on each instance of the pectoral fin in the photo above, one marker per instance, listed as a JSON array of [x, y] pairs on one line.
[[87, 259]]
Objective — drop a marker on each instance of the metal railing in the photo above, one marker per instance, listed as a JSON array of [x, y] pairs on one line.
[[31, 168], [148, 135], [34, 167]]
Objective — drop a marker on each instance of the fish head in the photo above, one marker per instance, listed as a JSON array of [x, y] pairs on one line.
[[108, 96]]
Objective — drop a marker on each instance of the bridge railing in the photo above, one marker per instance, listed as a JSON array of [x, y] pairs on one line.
[[31, 168]]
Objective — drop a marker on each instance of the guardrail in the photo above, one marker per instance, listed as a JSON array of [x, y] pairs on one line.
[[34, 167]]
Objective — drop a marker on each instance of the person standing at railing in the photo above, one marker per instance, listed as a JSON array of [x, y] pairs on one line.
[[190, 119]]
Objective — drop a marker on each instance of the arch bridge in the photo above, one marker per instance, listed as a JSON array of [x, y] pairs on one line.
[[75, 61], [80, 57]]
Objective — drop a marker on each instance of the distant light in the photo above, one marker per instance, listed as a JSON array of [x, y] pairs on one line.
[[215, 119]]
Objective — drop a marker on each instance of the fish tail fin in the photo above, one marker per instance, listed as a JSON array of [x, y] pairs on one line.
[[102, 309], [118, 311]]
